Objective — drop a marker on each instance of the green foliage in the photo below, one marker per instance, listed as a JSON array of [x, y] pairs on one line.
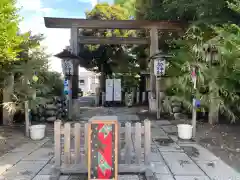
[[104, 11], [33, 61], [129, 5], [9, 38], [52, 83], [196, 11], [217, 60], [107, 58]]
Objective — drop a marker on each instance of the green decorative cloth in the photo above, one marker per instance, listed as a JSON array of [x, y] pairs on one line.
[[106, 129], [102, 163]]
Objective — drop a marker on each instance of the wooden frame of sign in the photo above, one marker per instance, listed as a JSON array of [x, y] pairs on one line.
[[103, 155]]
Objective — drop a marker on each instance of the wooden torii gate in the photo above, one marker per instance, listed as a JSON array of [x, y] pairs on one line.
[[77, 39]]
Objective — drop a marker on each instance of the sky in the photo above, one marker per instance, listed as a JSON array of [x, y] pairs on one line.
[[33, 11]]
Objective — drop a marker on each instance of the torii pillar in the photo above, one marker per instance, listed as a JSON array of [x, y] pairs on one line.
[[75, 48], [153, 50]]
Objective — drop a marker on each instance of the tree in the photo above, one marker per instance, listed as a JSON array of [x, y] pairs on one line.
[[9, 37], [107, 59], [33, 62], [129, 5], [216, 55]]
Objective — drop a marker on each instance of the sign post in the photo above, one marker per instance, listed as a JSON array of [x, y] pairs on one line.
[[159, 70], [195, 102], [68, 70]]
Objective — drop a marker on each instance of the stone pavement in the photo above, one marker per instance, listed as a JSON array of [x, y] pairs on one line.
[[171, 158]]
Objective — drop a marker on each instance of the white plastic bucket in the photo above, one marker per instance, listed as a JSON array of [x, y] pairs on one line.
[[184, 131], [37, 132]]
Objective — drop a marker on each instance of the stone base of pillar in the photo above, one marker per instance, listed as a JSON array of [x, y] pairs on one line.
[[152, 105], [75, 109]]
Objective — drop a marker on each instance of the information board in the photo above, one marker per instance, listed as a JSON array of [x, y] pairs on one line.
[[117, 90], [109, 90]]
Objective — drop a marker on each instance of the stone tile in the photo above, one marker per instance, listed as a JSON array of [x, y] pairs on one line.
[[128, 177], [128, 118], [158, 133], [42, 142], [164, 177], [155, 157], [10, 159], [180, 164], [41, 154], [47, 170], [27, 148], [218, 170], [171, 147], [159, 168], [198, 153], [47, 177], [162, 122], [25, 168], [171, 129], [174, 137], [42, 177], [191, 178], [49, 144], [77, 177], [181, 141], [64, 178], [31, 146], [17, 177]]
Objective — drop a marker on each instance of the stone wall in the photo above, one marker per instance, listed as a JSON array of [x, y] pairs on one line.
[[177, 110], [54, 109]]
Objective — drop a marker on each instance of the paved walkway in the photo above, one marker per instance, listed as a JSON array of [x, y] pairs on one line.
[[171, 159]]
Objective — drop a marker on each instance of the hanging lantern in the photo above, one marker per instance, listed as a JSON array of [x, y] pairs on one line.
[[35, 78]]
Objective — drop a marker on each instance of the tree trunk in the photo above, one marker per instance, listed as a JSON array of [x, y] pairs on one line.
[[213, 114], [213, 107], [1, 106], [7, 92]]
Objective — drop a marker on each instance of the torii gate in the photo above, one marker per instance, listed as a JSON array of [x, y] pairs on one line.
[[77, 39]]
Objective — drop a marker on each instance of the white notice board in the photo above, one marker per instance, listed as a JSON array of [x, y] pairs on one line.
[[109, 90], [117, 93]]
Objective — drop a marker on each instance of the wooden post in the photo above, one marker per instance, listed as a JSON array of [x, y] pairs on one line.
[[57, 143], [77, 135], [153, 51], [27, 121], [138, 141], [147, 141], [158, 98], [128, 139], [75, 79], [194, 118], [70, 98], [194, 111], [67, 143]]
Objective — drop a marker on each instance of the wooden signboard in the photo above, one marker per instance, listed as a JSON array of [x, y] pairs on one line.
[[109, 90], [103, 150]]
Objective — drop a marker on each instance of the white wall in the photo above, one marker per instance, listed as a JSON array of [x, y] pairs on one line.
[[90, 81]]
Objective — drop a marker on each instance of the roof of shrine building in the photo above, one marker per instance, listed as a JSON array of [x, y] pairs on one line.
[[53, 22]]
